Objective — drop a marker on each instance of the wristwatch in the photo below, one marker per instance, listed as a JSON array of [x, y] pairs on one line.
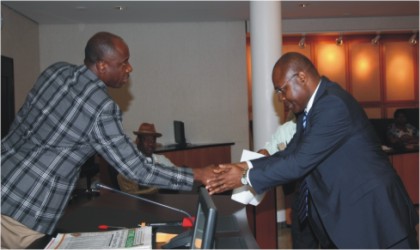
[[244, 181]]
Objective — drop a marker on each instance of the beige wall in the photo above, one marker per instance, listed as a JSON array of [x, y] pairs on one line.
[[20, 41], [193, 72]]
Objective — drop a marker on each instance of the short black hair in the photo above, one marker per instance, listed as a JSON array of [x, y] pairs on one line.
[[98, 46], [399, 112], [298, 62]]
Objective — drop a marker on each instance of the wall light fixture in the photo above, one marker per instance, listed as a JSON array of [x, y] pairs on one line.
[[413, 39], [375, 40], [339, 40], [302, 42]]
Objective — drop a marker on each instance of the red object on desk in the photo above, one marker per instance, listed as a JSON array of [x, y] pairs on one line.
[[188, 222], [106, 227]]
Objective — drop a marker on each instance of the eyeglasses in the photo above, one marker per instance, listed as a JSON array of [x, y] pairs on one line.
[[280, 90]]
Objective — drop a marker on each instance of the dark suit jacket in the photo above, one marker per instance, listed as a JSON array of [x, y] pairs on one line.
[[356, 191]]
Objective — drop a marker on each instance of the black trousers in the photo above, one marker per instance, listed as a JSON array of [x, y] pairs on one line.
[[410, 242], [302, 235], [317, 227]]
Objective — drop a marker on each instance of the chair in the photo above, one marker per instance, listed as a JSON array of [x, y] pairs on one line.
[[133, 188]]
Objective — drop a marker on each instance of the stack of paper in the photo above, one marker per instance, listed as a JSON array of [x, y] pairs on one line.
[[140, 238]]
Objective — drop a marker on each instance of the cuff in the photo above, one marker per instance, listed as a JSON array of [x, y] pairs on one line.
[[250, 166]]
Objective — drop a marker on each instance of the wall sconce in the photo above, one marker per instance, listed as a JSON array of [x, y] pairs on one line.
[[413, 40], [339, 40], [375, 40], [302, 42]]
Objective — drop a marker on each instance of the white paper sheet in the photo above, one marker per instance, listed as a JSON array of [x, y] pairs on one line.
[[246, 194]]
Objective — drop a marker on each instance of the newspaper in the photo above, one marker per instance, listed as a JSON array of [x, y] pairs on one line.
[[139, 238], [245, 194]]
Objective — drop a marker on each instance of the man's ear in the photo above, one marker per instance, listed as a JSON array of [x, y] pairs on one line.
[[100, 66], [302, 77]]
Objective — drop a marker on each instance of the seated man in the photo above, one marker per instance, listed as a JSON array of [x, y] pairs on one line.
[[400, 133], [146, 143]]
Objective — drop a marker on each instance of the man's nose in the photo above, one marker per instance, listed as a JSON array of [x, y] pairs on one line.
[[281, 97], [129, 68]]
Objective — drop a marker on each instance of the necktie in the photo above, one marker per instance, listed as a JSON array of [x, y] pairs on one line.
[[303, 201], [303, 190], [305, 114]]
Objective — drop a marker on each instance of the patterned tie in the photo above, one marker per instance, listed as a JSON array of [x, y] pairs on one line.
[[303, 201], [304, 119], [303, 190]]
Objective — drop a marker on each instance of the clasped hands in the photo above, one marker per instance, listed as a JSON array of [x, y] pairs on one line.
[[222, 177]]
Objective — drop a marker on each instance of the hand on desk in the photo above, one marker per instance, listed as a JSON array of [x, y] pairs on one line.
[[228, 177]]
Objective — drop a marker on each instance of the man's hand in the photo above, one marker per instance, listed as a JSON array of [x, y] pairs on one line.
[[228, 177], [263, 152], [204, 174]]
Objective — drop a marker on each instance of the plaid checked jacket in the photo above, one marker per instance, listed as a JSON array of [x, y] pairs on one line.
[[66, 118]]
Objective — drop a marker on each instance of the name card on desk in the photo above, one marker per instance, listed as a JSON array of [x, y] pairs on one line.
[[245, 194]]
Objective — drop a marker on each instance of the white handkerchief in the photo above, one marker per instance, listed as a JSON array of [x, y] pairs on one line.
[[245, 194]]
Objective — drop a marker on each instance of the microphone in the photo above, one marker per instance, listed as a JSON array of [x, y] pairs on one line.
[[186, 222]]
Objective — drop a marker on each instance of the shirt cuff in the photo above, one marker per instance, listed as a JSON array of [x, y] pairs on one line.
[[250, 166]]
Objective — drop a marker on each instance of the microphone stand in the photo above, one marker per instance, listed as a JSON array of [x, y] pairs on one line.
[[99, 185]]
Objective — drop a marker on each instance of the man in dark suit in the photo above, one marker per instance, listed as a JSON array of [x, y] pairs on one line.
[[352, 198]]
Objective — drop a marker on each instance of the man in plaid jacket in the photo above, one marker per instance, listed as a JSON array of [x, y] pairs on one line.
[[67, 117]]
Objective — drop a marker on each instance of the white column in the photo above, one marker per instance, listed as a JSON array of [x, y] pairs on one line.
[[266, 40]]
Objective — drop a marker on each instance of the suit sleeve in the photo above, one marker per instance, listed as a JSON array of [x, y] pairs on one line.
[[328, 126]]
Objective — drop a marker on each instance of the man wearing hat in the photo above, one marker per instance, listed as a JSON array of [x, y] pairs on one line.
[[146, 144]]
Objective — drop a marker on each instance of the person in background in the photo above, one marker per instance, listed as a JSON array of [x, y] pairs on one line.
[[146, 144], [67, 117], [351, 195], [400, 133], [281, 137]]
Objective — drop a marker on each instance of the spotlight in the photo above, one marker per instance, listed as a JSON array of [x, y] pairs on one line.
[[302, 42], [375, 40], [413, 40], [120, 8], [339, 40]]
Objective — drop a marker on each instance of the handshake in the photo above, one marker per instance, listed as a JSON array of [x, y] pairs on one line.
[[222, 177]]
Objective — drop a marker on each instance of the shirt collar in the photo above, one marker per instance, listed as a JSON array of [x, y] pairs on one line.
[[311, 100], [92, 76]]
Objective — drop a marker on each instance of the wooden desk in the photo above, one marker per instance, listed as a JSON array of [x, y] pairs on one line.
[[192, 156], [263, 221], [118, 210], [407, 166], [197, 155]]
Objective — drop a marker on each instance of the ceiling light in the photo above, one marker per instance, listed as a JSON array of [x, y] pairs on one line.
[[303, 5], [413, 40], [120, 8], [339, 40], [375, 40], [302, 42]]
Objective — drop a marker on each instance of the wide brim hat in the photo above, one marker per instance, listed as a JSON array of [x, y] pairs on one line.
[[147, 129]]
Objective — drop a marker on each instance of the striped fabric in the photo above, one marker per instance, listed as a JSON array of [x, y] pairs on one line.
[[303, 190], [66, 118]]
